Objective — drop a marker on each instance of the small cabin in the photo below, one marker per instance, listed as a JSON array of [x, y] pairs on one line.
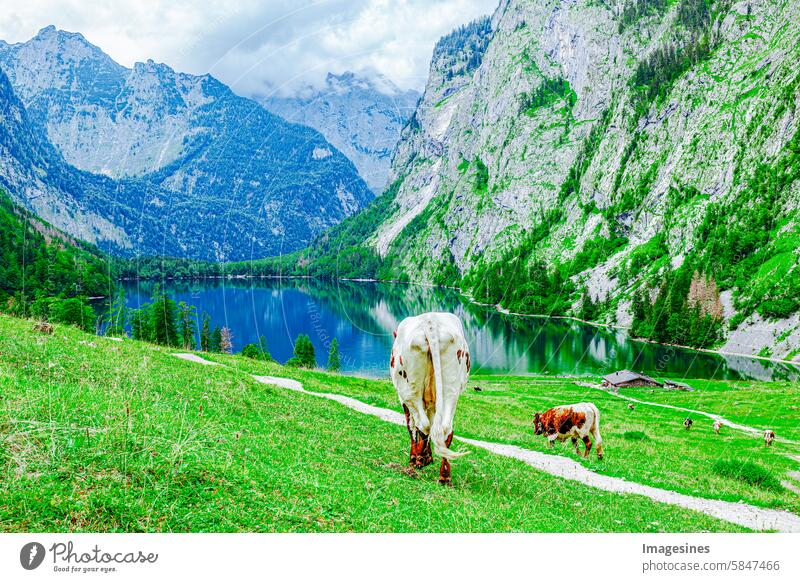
[[672, 385], [626, 378]]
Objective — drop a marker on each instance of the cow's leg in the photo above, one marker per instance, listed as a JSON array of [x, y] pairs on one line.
[[425, 455], [575, 445], [444, 471], [413, 460], [598, 443], [587, 441]]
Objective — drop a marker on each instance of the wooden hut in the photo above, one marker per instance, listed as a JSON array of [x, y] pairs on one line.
[[673, 385], [626, 378]]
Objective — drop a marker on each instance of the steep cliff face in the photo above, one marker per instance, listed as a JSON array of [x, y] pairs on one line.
[[589, 121], [230, 180], [360, 116], [102, 117], [39, 179]]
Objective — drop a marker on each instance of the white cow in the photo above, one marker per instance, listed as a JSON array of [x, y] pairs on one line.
[[430, 367]]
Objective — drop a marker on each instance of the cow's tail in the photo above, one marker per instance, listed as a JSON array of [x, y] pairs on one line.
[[439, 430]]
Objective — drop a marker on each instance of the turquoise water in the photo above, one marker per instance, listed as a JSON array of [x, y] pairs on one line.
[[363, 315]]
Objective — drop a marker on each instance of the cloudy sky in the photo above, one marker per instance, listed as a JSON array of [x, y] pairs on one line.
[[258, 46]]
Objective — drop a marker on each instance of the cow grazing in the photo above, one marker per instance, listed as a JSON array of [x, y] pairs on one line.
[[430, 366], [687, 424], [769, 436], [631, 407], [478, 389], [717, 426], [571, 421]]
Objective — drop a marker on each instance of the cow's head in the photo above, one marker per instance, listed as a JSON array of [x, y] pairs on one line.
[[538, 427]]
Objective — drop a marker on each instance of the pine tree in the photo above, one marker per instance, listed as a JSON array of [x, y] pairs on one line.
[[216, 340], [226, 341], [117, 315], [334, 360], [186, 321], [263, 348], [164, 315], [588, 307], [140, 324], [304, 352], [205, 334], [257, 351]]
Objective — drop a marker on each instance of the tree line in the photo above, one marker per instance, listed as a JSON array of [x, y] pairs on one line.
[[46, 274], [165, 322]]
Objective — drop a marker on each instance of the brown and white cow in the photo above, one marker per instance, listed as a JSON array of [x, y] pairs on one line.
[[769, 436], [430, 366], [571, 421], [717, 426]]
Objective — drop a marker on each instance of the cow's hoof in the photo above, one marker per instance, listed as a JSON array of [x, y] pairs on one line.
[[419, 462], [599, 457], [448, 482], [425, 461]]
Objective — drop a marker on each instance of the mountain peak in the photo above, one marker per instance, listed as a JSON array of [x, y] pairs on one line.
[[62, 44], [50, 31], [361, 114]]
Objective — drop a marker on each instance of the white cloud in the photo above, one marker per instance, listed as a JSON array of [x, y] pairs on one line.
[[258, 46]]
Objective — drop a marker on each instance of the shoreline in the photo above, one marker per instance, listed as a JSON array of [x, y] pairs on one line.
[[504, 311], [469, 298]]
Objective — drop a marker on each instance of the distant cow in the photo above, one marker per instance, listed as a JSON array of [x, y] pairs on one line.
[[430, 366], [43, 327], [687, 424], [717, 426], [631, 407], [571, 421], [769, 436]]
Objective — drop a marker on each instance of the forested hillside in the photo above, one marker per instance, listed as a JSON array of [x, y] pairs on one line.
[[45, 273]]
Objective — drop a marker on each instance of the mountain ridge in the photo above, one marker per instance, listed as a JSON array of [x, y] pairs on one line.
[[361, 116], [255, 182]]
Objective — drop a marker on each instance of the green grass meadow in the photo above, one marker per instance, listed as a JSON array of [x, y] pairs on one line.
[[105, 436]]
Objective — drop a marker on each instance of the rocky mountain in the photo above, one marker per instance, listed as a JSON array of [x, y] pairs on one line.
[[225, 178], [36, 176], [361, 116], [629, 162]]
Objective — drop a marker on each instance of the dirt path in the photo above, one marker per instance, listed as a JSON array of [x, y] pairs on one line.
[[748, 516], [196, 359]]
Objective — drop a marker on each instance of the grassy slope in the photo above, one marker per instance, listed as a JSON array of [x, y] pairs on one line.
[[97, 435], [774, 405], [670, 457]]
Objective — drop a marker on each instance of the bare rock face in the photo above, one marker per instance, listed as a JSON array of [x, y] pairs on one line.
[[553, 125], [360, 116]]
